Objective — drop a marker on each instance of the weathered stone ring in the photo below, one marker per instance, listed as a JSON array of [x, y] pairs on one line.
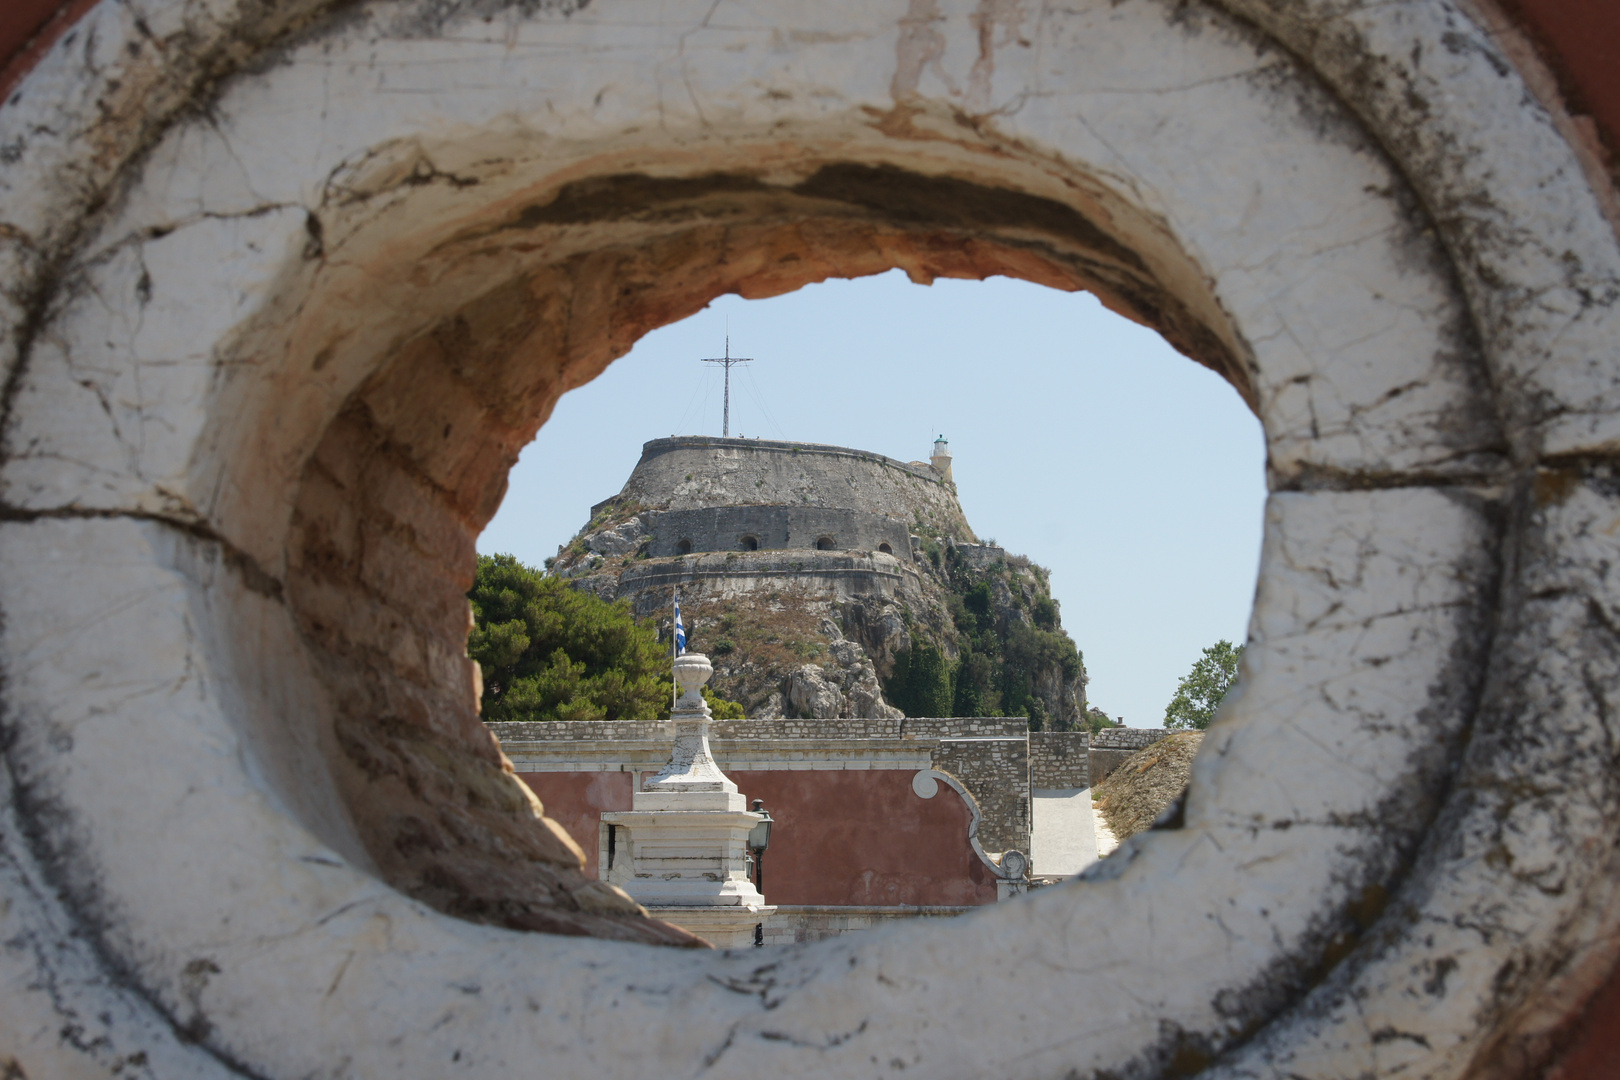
[[287, 287]]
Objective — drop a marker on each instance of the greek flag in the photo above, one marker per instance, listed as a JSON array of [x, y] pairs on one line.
[[680, 631]]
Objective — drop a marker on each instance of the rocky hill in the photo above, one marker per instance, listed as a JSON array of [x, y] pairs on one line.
[[828, 582]]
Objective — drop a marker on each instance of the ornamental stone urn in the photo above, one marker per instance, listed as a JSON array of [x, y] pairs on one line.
[[681, 850]]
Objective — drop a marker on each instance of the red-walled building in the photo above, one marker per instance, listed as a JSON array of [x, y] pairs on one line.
[[874, 819]]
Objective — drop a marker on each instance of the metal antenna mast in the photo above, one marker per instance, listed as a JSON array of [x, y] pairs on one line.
[[728, 360]]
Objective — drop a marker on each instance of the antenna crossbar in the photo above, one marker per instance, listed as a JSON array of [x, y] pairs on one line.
[[728, 360]]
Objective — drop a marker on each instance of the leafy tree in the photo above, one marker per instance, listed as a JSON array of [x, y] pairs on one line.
[[1201, 690], [552, 652]]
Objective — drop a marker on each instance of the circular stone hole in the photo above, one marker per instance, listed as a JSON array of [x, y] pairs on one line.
[[380, 553]]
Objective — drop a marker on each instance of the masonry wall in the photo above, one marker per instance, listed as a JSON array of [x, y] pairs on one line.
[[1059, 759], [773, 528], [1111, 746], [841, 575], [1126, 738], [990, 756]]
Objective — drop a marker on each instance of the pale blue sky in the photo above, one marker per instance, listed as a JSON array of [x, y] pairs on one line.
[[1080, 440]]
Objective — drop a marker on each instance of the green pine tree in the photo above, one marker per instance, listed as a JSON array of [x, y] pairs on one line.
[[552, 652]]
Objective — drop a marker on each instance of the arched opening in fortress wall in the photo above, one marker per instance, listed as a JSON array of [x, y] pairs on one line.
[[273, 359]]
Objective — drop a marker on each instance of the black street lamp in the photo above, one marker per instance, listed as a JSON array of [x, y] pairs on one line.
[[759, 838]]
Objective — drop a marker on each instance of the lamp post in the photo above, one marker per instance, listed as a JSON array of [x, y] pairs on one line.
[[759, 838]]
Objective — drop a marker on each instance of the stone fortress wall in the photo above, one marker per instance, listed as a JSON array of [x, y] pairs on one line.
[[1061, 759], [837, 575], [1111, 746], [773, 528], [699, 473], [728, 517]]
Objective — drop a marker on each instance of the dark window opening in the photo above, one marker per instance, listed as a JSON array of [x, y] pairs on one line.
[[826, 543], [886, 549], [683, 547], [749, 543]]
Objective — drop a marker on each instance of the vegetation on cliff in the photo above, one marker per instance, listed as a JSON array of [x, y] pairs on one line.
[[1007, 642], [1096, 720], [548, 651]]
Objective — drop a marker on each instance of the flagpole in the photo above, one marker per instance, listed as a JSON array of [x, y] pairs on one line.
[[674, 645]]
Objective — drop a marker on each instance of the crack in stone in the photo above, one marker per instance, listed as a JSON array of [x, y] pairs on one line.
[[254, 577]]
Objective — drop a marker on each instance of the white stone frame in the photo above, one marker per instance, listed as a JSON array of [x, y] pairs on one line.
[[1398, 851]]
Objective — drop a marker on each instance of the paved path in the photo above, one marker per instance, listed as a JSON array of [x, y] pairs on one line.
[[1106, 842], [1063, 839]]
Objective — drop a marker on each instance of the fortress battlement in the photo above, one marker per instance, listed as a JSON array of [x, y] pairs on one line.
[[657, 447], [686, 474]]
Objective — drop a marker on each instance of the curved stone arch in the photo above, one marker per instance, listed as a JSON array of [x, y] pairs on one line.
[[170, 488]]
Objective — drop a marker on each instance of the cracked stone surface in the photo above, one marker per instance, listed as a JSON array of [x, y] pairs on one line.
[[285, 292]]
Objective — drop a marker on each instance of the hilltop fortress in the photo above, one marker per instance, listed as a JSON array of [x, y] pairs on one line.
[[702, 494], [830, 582]]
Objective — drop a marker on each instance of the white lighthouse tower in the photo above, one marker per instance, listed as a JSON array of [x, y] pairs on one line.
[[941, 460]]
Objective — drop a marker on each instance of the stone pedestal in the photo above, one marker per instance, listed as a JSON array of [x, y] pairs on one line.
[[682, 848]]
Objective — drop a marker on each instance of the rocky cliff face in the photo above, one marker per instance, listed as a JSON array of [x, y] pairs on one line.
[[932, 625]]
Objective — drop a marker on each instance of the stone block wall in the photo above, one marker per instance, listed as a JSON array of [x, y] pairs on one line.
[[996, 770], [1059, 759], [843, 575], [958, 727], [990, 756], [1111, 746], [1126, 738], [773, 528]]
